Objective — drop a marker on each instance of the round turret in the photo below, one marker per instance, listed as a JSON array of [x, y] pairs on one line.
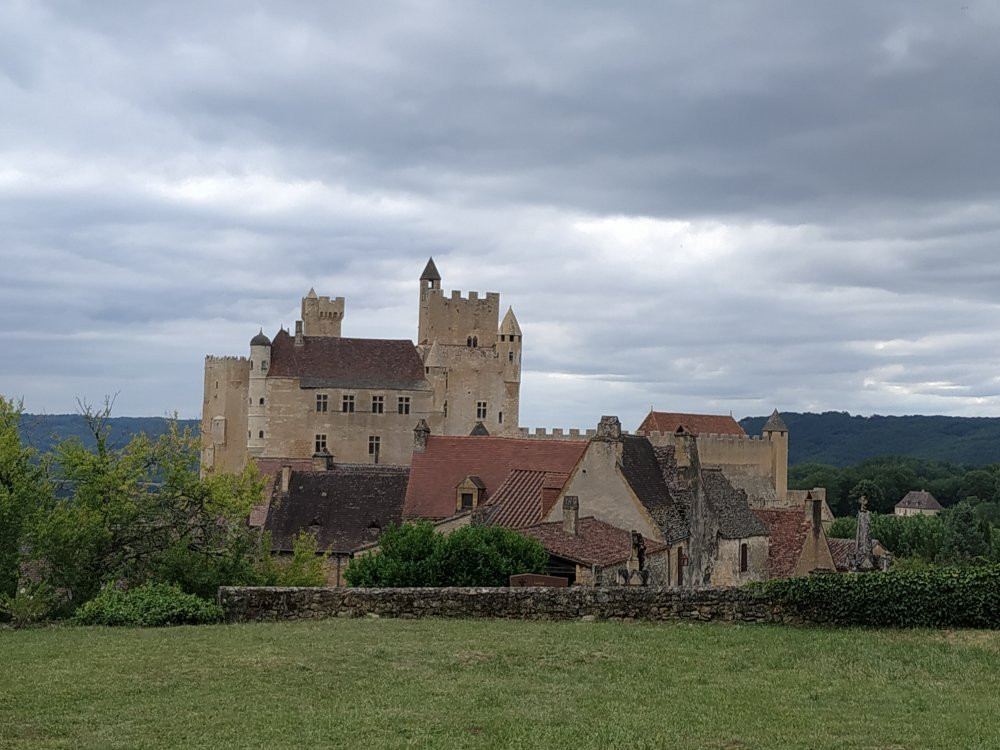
[[260, 339]]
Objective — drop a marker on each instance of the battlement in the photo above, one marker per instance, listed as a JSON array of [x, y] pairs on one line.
[[213, 359], [322, 316], [456, 296], [661, 438], [558, 433]]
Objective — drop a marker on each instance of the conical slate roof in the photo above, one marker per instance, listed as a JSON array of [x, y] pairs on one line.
[[509, 324], [311, 294], [260, 339], [430, 272], [775, 423], [434, 357]]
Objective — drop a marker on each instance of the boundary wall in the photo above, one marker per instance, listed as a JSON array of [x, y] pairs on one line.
[[243, 604]]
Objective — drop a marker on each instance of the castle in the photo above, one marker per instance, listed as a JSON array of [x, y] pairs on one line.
[[316, 392]]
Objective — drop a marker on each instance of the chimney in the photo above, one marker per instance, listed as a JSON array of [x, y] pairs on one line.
[[286, 478], [299, 338], [817, 513], [322, 460], [571, 514], [609, 428], [420, 433]]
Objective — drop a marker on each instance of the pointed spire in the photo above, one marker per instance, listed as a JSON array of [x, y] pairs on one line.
[[430, 272], [260, 339], [509, 324], [434, 356], [312, 294], [775, 423]]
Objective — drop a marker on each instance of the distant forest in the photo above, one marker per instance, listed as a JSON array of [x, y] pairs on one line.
[[43, 431], [838, 439]]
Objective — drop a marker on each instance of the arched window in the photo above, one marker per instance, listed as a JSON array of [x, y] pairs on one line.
[[262, 401]]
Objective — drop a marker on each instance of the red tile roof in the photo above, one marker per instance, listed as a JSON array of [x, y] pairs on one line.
[[596, 542], [788, 533], [447, 460], [519, 500], [696, 424], [333, 362]]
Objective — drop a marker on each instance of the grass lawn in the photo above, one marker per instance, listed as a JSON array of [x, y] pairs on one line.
[[481, 683]]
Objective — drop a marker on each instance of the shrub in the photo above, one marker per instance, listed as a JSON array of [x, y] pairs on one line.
[[935, 597], [304, 568], [150, 605], [29, 605], [414, 555]]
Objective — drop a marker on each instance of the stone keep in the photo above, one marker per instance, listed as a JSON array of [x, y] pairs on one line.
[[359, 399]]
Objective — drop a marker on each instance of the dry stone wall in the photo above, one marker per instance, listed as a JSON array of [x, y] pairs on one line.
[[613, 603]]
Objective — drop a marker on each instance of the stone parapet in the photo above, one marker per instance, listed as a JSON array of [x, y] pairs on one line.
[[524, 603]]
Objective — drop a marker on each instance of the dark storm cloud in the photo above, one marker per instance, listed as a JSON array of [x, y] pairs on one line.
[[712, 206]]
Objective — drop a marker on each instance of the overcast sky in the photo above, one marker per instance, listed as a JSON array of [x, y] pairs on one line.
[[698, 206]]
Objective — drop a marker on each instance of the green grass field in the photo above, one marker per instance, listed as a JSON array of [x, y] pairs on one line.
[[445, 683]]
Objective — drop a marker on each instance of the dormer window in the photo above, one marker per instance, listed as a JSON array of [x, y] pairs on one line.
[[470, 493]]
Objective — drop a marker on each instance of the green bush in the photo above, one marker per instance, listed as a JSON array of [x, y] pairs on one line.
[[935, 597], [149, 605], [414, 555], [29, 605]]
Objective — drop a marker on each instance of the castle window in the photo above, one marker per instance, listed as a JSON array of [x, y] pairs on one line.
[[744, 561], [510, 356], [374, 445], [500, 417], [403, 405], [475, 341], [445, 408], [320, 443], [322, 402], [378, 404], [480, 410], [263, 366], [467, 501], [347, 405], [261, 434], [262, 402], [251, 364]]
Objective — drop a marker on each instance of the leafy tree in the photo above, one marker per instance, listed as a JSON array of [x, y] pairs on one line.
[[844, 527], [414, 555], [869, 489], [304, 568], [964, 538], [142, 513], [23, 489]]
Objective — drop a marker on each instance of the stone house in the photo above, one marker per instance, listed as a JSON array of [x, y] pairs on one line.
[[359, 398], [345, 506], [798, 543], [918, 503], [664, 494]]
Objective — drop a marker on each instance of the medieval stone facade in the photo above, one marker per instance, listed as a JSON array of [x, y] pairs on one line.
[[358, 399]]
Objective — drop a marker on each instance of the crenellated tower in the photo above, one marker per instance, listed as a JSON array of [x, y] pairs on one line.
[[322, 316]]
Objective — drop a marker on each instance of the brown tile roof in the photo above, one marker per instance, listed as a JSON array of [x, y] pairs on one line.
[[696, 424], [596, 542], [920, 500], [518, 502], [447, 460], [644, 473], [841, 549], [330, 362], [788, 533], [269, 469], [347, 506]]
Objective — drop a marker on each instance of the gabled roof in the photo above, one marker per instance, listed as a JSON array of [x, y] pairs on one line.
[[596, 542], [519, 501], [736, 520], [447, 460], [347, 506], [788, 529], [919, 500], [333, 362], [430, 272], [642, 470], [696, 424]]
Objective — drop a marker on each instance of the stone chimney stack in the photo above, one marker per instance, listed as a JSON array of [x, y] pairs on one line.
[[299, 338], [286, 479], [420, 433], [571, 514], [322, 460], [816, 506], [609, 428]]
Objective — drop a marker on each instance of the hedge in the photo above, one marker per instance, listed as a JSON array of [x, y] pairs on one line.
[[149, 605], [935, 598]]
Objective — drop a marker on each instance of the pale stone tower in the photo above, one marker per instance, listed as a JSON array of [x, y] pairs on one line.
[[322, 316], [260, 357], [776, 431]]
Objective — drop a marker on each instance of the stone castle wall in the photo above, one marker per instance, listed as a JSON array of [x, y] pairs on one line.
[[575, 602]]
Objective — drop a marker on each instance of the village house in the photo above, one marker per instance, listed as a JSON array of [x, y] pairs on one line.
[[918, 503]]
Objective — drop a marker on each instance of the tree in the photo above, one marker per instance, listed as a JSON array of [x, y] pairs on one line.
[[869, 489], [965, 540], [142, 513], [23, 489], [414, 555]]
